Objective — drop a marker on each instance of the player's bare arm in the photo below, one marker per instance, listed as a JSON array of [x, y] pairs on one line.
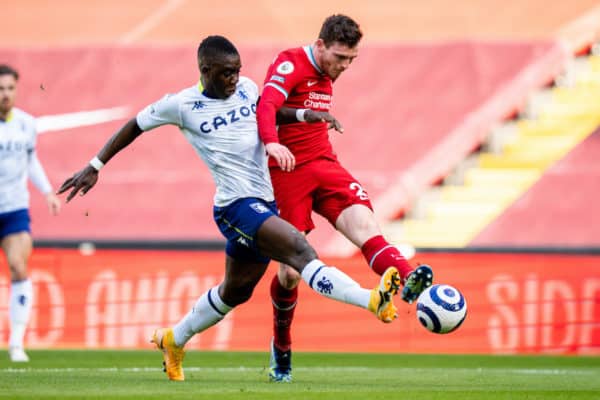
[[82, 181], [287, 115], [312, 116]]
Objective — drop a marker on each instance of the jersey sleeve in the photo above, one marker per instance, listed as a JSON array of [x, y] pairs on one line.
[[36, 172], [165, 111], [282, 76]]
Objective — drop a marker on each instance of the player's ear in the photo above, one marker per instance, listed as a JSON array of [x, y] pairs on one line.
[[320, 44]]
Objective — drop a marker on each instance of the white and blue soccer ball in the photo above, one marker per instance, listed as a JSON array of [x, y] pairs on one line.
[[441, 308]]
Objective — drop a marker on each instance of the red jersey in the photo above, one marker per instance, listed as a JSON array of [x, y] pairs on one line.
[[295, 80]]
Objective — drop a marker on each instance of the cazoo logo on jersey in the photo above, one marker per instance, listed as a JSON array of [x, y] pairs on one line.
[[231, 117]]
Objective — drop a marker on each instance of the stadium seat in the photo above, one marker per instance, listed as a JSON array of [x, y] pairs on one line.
[[554, 123]]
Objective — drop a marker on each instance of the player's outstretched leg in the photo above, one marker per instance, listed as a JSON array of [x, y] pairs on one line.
[[417, 281], [333, 283], [381, 303], [172, 354], [280, 365]]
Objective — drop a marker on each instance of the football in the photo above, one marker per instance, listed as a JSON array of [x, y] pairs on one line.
[[441, 308]]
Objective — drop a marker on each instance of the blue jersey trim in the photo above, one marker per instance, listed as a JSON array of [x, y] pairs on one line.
[[311, 58]]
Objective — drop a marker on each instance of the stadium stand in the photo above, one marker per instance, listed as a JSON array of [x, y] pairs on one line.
[[521, 152]]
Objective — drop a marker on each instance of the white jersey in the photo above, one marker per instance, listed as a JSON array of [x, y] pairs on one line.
[[18, 161], [224, 134]]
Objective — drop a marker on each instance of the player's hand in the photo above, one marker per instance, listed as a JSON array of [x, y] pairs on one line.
[[322, 116], [81, 182], [284, 157], [53, 203]]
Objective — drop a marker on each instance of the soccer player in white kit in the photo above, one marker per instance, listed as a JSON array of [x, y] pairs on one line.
[[218, 117], [18, 161]]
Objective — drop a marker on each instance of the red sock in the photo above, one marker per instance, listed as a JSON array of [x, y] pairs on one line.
[[284, 305], [381, 255]]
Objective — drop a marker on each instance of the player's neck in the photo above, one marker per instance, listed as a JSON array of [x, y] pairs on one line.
[[314, 57], [211, 95]]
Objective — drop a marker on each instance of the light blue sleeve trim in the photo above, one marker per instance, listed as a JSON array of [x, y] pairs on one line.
[[279, 88]]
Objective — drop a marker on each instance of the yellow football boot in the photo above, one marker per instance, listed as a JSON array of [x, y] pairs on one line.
[[172, 354], [381, 303]]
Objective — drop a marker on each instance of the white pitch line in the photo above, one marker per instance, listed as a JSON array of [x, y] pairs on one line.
[[516, 371], [150, 22]]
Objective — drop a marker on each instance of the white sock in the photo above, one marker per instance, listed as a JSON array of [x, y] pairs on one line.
[[333, 283], [208, 310], [19, 310]]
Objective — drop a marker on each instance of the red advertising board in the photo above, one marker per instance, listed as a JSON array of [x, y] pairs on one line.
[[517, 303]]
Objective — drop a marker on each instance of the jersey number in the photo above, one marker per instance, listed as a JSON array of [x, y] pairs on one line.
[[360, 192]]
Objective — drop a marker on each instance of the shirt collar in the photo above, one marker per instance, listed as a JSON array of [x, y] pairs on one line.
[[311, 57]]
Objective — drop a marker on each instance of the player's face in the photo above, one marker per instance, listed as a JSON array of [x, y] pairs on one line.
[[221, 78], [8, 92], [335, 59]]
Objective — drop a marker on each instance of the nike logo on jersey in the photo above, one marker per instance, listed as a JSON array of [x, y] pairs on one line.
[[311, 83]]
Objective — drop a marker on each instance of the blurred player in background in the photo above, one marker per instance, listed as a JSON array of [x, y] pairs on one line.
[[18, 161], [218, 118], [307, 176]]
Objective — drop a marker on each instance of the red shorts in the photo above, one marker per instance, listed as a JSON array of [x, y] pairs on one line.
[[321, 185]]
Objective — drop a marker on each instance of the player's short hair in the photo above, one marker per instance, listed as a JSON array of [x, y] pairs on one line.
[[8, 70], [342, 29], [215, 45]]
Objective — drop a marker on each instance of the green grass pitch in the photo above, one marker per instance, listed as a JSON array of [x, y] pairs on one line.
[[81, 374]]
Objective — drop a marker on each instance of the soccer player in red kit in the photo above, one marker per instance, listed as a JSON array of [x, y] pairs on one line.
[[307, 176]]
